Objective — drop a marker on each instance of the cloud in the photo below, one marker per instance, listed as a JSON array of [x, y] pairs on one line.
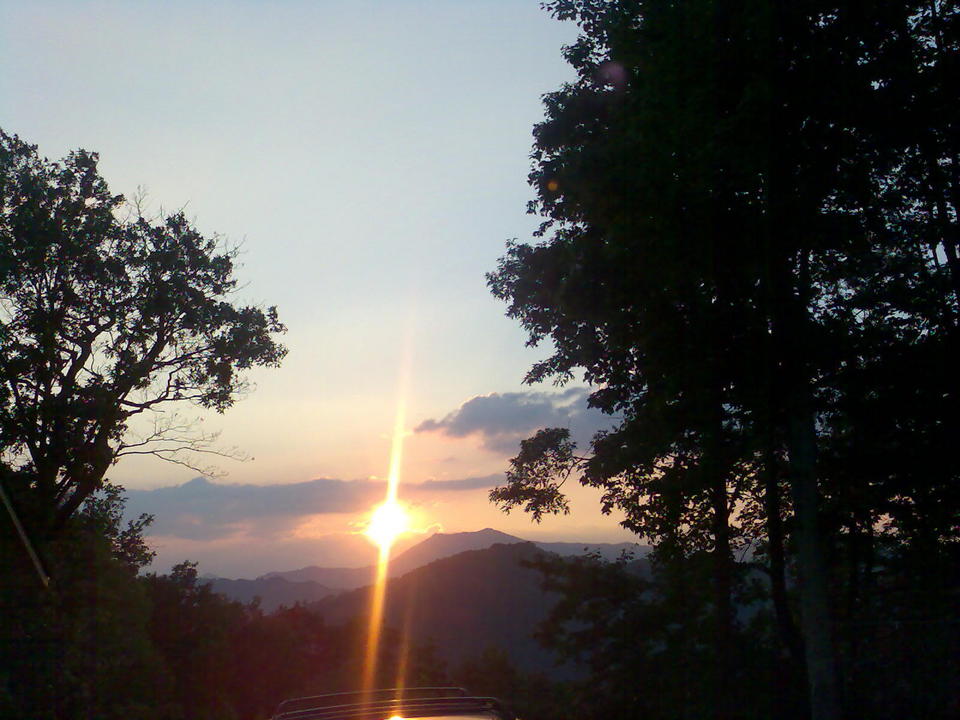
[[202, 510], [502, 420], [239, 557], [470, 483]]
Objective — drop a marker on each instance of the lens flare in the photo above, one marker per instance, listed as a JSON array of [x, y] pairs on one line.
[[387, 523]]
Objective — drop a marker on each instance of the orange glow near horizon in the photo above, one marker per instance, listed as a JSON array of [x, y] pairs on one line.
[[390, 519]]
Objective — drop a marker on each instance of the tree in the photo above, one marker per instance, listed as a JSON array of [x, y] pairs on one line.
[[644, 631], [192, 629], [107, 320], [102, 514], [742, 257], [642, 173], [80, 647], [535, 696]]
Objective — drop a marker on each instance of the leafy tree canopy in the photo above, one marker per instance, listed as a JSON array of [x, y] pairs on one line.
[[106, 315], [749, 237]]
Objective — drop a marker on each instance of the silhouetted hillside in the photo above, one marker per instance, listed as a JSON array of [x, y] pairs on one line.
[[464, 604], [312, 583], [273, 592], [438, 545], [607, 551], [441, 545], [337, 578]]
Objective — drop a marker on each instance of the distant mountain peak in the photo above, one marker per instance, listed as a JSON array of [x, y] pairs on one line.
[[478, 535], [441, 545]]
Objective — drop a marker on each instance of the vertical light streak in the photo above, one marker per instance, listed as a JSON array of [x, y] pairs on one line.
[[383, 561], [379, 592], [396, 452], [403, 660]]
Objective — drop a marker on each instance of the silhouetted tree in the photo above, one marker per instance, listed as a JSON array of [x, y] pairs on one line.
[[192, 629], [104, 319], [536, 696], [82, 647], [741, 252]]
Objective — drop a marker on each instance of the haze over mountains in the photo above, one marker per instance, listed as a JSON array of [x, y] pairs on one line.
[[462, 605], [460, 593], [314, 583]]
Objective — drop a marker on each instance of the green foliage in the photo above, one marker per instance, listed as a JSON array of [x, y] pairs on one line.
[[107, 316]]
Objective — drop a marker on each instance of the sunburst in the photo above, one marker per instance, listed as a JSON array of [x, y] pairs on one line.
[[389, 521]]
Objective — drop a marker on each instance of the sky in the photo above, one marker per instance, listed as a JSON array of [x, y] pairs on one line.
[[369, 159]]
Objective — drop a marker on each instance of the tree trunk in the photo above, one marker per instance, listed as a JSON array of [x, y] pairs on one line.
[[790, 209], [791, 336], [789, 633], [787, 291], [716, 467], [814, 605], [722, 584]]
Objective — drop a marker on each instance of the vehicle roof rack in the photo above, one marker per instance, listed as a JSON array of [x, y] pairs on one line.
[[331, 699], [385, 703]]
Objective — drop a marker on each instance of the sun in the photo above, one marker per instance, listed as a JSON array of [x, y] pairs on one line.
[[388, 521]]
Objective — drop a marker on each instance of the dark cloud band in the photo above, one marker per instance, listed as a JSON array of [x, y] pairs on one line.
[[204, 510], [502, 420]]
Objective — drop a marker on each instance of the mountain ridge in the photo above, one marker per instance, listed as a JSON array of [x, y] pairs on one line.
[[436, 546], [315, 582], [464, 604]]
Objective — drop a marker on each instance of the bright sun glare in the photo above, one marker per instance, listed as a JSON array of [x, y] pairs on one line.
[[389, 520]]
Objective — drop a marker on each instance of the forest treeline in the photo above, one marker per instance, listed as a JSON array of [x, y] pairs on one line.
[[107, 640]]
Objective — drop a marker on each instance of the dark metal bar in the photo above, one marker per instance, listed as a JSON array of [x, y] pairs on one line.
[[403, 702], [28, 546]]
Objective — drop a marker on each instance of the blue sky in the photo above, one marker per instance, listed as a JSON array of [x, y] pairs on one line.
[[370, 159]]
